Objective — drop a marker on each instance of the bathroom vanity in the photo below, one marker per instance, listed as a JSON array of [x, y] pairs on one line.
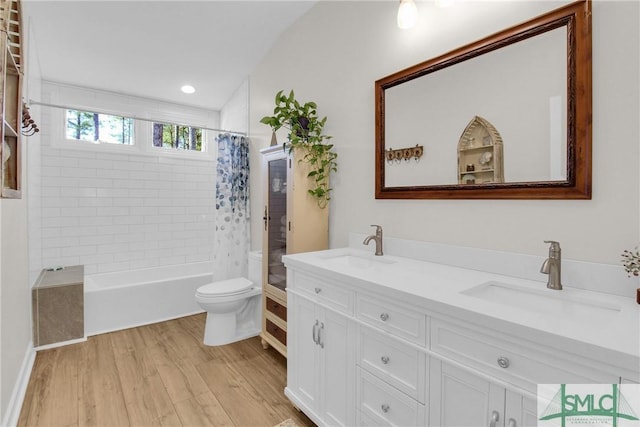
[[388, 340]]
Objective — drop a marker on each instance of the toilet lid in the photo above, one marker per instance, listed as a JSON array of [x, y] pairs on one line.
[[236, 286]]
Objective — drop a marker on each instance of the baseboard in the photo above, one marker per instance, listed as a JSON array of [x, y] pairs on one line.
[[12, 414]]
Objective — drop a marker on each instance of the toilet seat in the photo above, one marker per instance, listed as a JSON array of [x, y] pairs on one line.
[[225, 288]]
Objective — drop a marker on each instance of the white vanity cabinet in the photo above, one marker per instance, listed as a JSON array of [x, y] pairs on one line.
[[321, 357], [369, 354], [510, 359], [458, 397], [392, 368]]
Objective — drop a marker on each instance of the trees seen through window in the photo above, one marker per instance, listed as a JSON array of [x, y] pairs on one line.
[[177, 136], [105, 128], [96, 127]]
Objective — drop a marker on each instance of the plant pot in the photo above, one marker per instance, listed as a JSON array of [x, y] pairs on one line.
[[304, 126]]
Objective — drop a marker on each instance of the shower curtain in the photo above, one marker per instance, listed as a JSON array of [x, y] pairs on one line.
[[231, 238]]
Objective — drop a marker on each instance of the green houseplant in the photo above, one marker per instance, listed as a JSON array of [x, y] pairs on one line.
[[306, 134]]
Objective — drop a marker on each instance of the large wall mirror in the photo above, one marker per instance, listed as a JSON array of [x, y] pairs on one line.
[[517, 102]]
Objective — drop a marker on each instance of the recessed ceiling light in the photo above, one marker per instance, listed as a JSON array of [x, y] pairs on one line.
[[188, 89]]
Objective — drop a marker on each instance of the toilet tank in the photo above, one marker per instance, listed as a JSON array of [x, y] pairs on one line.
[[255, 267]]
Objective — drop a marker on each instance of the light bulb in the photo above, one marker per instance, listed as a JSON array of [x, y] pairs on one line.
[[407, 14], [188, 89]]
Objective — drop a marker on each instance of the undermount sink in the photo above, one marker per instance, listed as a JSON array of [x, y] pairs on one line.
[[541, 300], [357, 260]]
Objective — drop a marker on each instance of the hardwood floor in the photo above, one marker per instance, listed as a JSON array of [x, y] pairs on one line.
[[158, 375]]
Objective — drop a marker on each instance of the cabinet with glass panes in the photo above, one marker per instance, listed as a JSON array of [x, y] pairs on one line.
[[292, 223]]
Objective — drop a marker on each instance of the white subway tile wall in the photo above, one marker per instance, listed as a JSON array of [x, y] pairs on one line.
[[117, 211]]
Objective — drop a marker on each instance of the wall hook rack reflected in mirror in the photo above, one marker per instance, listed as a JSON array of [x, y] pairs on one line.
[[406, 154]]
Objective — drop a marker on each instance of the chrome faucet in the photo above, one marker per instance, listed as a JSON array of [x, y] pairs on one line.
[[378, 239], [552, 266]]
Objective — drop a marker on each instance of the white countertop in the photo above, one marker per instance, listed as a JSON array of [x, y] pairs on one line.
[[603, 325]]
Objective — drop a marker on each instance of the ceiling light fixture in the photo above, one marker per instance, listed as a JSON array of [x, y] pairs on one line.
[[188, 89], [407, 14]]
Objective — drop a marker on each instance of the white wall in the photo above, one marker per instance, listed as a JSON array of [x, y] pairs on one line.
[[115, 210], [235, 113], [337, 50]]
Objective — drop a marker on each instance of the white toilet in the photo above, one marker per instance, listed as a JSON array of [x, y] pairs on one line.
[[233, 306]]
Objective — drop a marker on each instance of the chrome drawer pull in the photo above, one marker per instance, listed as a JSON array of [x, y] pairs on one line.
[[318, 290], [384, 317], [503, 362], [385, 408], [315, 333], [385, 359], [495, 417]]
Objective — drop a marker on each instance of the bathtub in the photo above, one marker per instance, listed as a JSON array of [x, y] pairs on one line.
[[125, 299]]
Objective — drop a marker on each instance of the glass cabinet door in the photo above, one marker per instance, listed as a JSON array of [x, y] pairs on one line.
[[277, 227]]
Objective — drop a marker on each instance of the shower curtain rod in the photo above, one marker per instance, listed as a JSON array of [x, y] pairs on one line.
[[71, 107]]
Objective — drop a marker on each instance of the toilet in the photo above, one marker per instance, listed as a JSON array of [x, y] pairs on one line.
[[233, 306]]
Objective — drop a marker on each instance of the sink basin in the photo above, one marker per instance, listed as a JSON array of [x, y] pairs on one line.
[[542, 300], [356, 260]]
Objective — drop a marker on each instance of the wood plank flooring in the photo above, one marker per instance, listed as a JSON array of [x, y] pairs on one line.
[[158, 375]]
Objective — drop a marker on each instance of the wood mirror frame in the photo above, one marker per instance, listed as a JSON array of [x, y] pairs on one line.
[[576, 17]]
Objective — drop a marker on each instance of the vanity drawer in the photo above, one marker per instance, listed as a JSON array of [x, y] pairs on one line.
[[324, 293], [512, 361], [386, 406], [395, 362], [398, 320], [364, 420], [276, 308]]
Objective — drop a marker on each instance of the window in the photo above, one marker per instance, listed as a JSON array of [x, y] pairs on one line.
[[177, 136], [96, 127], [88, 130]]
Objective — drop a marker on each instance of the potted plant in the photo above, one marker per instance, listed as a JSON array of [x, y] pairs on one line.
[[631, 263], [306, 134]]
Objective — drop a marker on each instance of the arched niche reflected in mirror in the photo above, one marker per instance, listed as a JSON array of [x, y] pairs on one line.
[[532, 82]]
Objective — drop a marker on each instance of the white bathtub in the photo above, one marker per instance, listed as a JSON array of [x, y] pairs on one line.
[[126, 299]]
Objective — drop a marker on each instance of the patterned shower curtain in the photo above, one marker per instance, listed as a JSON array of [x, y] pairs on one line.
[[231, 238]]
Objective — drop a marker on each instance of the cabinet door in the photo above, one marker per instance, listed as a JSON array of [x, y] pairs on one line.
[[337, 369], [275, 221], [520, 411], [303, 370], [459, 398]]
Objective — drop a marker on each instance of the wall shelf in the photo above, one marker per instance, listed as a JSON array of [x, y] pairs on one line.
[[11, 76], [480, 159]]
